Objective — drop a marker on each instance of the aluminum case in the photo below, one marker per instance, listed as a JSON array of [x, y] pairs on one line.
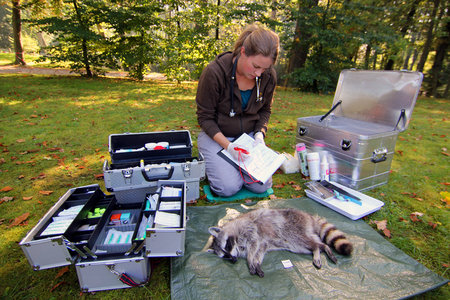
[[131, 182], [359, 133]]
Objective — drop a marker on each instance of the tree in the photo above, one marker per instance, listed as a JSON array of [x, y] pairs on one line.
[[17, 33], [429, 36]]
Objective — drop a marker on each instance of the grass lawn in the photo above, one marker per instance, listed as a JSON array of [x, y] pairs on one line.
[[54, 136]]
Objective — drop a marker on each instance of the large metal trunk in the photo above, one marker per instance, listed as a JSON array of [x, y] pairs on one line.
[[359, 133]]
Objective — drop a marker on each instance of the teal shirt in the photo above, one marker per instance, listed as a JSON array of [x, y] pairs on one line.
[[245, 96]]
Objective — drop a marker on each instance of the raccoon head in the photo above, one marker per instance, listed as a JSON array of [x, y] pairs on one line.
[[223, 245]]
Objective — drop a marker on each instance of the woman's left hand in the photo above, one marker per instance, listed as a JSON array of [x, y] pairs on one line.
[[259, 138]]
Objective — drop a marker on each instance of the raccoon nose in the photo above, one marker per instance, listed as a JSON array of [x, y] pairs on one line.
[[233, 259]]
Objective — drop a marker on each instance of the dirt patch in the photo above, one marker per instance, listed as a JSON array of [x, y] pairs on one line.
[[14, 69]]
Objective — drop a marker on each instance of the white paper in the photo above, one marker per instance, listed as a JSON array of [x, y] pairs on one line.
[[262, 162], [170, 205], [163, 219]]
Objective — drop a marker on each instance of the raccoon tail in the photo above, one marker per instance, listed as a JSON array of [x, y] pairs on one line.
[[335, 238]]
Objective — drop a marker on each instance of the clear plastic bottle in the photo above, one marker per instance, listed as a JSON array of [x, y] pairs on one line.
[[324, 168]]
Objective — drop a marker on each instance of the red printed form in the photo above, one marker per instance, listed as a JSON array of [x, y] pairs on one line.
[[262, 162]]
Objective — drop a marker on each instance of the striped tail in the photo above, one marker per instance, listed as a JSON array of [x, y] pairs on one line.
[[335, 238]]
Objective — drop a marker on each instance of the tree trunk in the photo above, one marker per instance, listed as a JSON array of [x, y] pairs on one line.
[[429, 38], [441, 51], [300, 45], [83, 42], [217, 20], [367, 57], [17, 33]]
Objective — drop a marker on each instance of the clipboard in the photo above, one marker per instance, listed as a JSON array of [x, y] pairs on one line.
[[262, 163]]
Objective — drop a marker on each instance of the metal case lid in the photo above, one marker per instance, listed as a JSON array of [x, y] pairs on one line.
[[383, 97]]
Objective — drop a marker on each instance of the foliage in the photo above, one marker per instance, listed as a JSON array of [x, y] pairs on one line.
[[75, 40], [54, 136]]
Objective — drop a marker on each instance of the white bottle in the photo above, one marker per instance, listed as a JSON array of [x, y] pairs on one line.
[[324, 169], [313, 160]]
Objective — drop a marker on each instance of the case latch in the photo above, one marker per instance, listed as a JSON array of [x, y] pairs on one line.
[[127, 173], [379, 155], [187, 169]]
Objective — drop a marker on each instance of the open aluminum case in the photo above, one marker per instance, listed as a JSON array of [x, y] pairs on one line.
[[83, 238], [359, 133], [131, 175]]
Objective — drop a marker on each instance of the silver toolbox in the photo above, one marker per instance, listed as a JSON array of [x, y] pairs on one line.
[[359, 133], [131, 182], [106, 239]]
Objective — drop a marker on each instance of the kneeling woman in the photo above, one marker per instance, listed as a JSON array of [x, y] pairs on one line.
[[234, 96]]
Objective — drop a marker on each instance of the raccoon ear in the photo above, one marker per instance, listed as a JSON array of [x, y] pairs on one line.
[[214, 231]]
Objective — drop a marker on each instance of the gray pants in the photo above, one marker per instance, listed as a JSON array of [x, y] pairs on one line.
[[224, 179]]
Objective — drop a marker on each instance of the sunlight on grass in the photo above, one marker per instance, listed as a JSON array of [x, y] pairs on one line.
[[54, 136]]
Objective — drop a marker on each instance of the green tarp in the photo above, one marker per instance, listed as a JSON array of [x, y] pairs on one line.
[[376, 269]]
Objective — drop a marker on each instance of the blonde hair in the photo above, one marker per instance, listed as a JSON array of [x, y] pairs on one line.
[[258, 40]]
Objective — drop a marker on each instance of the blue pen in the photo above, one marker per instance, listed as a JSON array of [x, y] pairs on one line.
[[346, 198]]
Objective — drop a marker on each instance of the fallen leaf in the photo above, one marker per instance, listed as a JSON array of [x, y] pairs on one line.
[[433, 225], [19, 220], [297, 187], [99, 176], [20, 140], [414, 217], [445, 183], [387, 232], [56, 285], [45, 192], [6, 199], [279, 186], [6, 189], [272, 197], [21, 176], [417, 198], [62, 272], [400, 152], [381, 225], [27, 198], [445, 153]]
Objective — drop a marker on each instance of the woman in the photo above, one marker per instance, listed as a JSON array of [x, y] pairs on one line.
[[234, 96]]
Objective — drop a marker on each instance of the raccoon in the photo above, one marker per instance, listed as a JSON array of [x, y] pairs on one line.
[[253, 234]]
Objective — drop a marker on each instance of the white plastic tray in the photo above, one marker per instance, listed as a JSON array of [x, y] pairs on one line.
[[348, 208]]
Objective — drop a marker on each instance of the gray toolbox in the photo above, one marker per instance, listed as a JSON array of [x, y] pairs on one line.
[[131, 175], [360, 131], [106, 239]]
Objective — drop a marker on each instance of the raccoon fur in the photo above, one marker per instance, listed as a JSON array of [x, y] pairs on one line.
[[254, 233]]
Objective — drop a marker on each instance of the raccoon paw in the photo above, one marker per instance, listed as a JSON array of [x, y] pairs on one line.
[[317, 263], [256, 270]]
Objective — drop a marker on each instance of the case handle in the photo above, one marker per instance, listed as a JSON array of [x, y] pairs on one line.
[[346, 144], [302, 130], [167, 172], [330, 111], [379, 155]]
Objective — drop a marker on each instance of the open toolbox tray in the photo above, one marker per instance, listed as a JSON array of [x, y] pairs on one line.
[[85, 238], [162, 225], [130, 147], [60, 246]]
